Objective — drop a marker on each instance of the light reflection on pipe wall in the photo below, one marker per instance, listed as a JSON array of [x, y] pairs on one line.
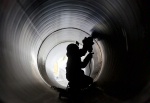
[[26, 23]]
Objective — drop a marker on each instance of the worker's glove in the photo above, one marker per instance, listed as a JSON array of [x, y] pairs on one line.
[[87, 43], [90, 55]]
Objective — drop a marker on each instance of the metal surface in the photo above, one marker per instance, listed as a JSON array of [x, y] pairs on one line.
[[34, 35]]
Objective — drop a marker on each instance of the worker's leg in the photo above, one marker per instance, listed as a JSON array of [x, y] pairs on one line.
[[86, 81]]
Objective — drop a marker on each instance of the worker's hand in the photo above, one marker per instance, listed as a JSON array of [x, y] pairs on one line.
[[90, 55], [88, 41]]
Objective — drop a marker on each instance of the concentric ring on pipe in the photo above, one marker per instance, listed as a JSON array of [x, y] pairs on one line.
[[62, 35]]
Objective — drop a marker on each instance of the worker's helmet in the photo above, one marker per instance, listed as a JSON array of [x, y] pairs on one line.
[[72, 49]]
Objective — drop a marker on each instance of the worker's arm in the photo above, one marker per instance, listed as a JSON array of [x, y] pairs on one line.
[[87, 45], [83, 51], [86, 60]]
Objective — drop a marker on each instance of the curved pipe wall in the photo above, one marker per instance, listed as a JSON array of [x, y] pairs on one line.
[[29, 25]]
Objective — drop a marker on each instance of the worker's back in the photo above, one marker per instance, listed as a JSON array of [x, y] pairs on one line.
[[73, 68]]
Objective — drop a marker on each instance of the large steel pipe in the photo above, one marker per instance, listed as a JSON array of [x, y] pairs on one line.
[[34, 35]]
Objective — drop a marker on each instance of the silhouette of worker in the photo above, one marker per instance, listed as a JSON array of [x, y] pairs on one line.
[[74, 73]]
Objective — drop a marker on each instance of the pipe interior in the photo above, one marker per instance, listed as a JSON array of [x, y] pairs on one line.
[[35, 34]]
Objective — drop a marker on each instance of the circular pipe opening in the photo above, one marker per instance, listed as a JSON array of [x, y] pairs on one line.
[[52, 56]]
